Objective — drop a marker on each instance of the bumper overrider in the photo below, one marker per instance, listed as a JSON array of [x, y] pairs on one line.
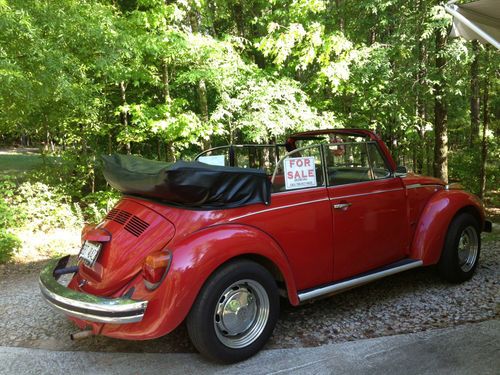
[[86, 306]]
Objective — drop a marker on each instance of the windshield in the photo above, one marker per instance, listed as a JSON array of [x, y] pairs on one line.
[[263, 157]]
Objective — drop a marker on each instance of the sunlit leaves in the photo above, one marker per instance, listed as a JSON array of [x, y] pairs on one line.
[[265, 109]]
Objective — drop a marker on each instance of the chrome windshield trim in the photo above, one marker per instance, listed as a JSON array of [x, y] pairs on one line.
[[86, 306]]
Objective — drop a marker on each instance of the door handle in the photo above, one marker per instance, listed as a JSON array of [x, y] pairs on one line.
[[341, 206]]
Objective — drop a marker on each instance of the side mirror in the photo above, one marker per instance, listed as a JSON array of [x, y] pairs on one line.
[[400, 171]]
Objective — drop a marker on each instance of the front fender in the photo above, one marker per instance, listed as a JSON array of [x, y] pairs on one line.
[[194, 259], [435, 219]]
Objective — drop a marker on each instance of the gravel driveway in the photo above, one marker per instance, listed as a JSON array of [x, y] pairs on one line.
[[413, 301]]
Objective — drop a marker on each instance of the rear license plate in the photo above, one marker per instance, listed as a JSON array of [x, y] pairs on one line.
[[89, 252]]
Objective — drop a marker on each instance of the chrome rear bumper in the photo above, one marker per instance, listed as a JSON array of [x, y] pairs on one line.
[[86, 306]]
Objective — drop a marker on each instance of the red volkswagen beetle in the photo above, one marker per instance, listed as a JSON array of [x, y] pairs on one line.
[[217, 241]]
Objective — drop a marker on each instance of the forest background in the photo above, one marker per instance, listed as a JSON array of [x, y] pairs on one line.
[[166, 79]]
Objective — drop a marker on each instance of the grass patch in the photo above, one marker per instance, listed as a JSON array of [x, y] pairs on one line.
[[17, 163]]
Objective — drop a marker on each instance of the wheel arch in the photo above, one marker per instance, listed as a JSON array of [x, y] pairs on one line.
[[269, 265], [435, 220], [247, 242], [472, 210]]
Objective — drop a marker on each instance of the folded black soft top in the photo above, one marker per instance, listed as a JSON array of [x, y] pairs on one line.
[[192, 184]]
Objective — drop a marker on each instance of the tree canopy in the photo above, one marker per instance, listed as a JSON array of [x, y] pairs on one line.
[[167, 78]]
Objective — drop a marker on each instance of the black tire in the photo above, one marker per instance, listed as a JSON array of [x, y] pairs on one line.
[[451, 265], [212, 315]]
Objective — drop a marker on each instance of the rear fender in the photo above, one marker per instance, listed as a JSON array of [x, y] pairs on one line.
[[194, 259], [435, 220]]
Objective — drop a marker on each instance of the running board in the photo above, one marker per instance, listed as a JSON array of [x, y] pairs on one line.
[[359, 280]]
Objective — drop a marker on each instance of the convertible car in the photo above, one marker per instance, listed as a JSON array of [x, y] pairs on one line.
[[215, 242]]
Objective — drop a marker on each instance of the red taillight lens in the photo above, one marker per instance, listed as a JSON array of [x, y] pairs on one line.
[[86, 228], [155, 267]]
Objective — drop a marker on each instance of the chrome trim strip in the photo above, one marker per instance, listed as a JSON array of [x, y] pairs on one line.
[[352, 283], [369, 193], [291, 192], [86, 306], [416, 186], [454, 186], [278, 208]]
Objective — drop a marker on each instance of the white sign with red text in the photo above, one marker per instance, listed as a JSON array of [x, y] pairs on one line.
[[300, 172]]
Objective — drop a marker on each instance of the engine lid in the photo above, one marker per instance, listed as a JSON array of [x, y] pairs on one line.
[[135, 231]]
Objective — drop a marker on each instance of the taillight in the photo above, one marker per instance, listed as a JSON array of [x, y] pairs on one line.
[[155, 268], [86, 228]]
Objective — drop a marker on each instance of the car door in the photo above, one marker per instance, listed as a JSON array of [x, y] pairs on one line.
[[370, 223]]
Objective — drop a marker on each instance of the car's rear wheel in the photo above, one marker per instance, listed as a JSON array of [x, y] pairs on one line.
[[461, 249], [235, 312]]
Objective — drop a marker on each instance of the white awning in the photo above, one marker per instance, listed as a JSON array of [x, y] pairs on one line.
[[477, 20]]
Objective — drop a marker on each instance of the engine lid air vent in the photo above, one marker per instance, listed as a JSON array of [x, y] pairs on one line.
[[111, 214], [119, 216], [136, 226]]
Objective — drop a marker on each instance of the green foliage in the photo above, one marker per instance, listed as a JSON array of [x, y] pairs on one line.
[[43, 207], [96, 205], [9, 244], [81, 78], [266, 109]]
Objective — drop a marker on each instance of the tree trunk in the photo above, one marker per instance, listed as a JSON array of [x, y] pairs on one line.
[[166, 82], [202, 97], [110, 144], [474, 96], [124, 113], [484, 141], [170, 151], [420, 92], [338, 3], [158, 149], [194, 19], [210, 10], [238, 16], [440, 113]]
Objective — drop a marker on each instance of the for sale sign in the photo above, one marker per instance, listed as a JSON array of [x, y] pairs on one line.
[[300, 172]]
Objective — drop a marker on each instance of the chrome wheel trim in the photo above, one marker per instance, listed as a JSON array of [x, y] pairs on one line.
[[241, 313], [468, 248]]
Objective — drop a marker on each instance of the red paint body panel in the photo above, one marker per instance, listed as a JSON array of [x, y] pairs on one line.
[[118, 262], [373, 231], [309, 242], [300, 222]]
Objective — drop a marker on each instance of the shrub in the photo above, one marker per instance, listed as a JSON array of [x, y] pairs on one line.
[[9, 244], [44, 207], [96, 205]]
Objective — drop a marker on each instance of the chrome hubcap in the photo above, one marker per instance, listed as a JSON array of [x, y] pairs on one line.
[[468, 247], [241, 313]]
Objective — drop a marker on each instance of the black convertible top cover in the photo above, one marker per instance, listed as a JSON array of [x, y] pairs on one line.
[[193, 184]]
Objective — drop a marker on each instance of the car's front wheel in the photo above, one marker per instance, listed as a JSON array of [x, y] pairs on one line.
[[461, 249], [235, 312]]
